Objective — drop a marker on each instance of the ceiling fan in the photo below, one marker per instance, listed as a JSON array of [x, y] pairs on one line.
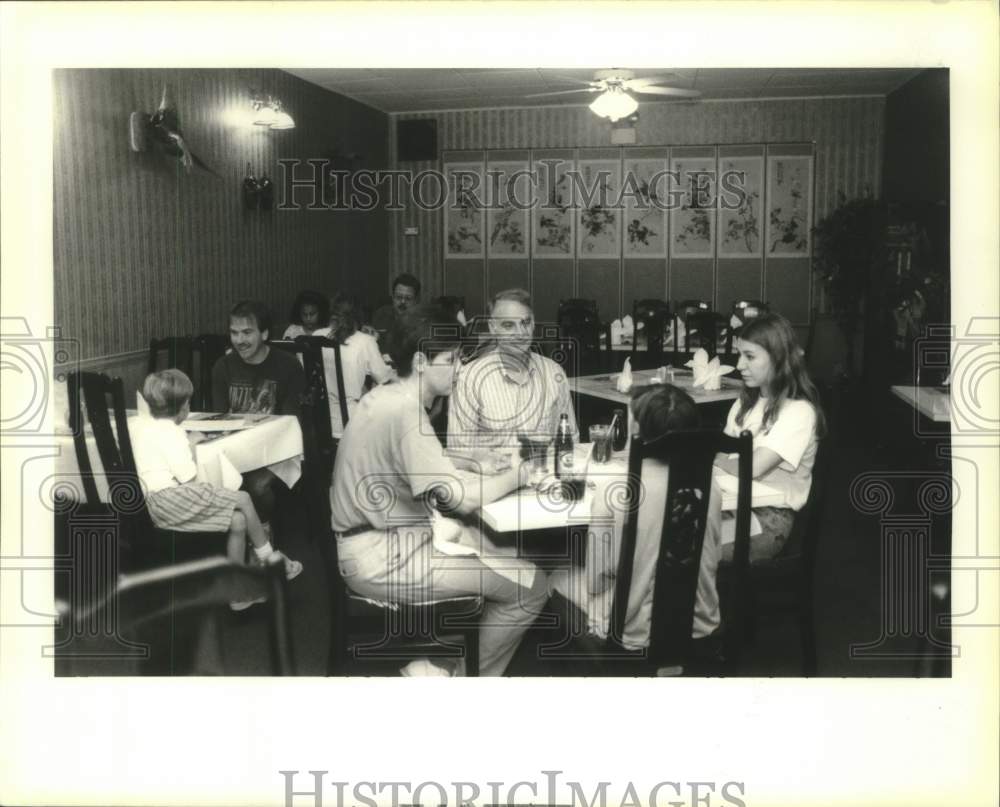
[[615, 101]]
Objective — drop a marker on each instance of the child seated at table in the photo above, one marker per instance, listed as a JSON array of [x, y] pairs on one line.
[[167, 470], [657, 409], [779, 405]]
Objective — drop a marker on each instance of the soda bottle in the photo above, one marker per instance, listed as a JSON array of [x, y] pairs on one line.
[[619, 433], [564, 447]]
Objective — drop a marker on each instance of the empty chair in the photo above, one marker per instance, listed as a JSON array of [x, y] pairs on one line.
[[741, 312], [208, 349], [175, 352], [580, 327], [695, 326], [651, 318], [172, 621], [455, 306]]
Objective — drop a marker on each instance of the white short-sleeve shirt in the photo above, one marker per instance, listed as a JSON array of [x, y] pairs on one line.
[[359, 357], [162, 453], [792, 437]]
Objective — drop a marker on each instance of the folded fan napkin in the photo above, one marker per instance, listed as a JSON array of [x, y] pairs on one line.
[[624, 383], [707, 374]]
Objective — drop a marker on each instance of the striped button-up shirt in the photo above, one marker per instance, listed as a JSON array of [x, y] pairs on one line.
[[491, 405]]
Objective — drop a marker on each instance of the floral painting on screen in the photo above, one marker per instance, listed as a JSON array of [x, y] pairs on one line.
[[507, 216], [741, 183], [692, 208], [789, 195], [644, 194], [553, 213], [596, 198], [464, 214]]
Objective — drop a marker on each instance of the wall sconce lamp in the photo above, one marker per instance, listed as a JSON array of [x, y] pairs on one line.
[[269, 112]]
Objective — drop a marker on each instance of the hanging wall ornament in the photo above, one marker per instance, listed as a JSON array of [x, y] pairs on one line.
[[265, 193], [163, 128], [250, 190]]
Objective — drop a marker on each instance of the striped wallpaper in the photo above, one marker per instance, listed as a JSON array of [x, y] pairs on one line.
[[142, 249], [847, 133]]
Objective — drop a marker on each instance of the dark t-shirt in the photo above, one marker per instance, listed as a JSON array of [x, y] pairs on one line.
[[273, 387]]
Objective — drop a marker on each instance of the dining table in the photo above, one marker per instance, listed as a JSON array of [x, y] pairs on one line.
[[933, 403], [604, 386], [231, 446]]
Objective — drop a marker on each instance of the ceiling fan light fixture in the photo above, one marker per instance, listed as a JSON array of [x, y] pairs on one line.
[[614, 104]]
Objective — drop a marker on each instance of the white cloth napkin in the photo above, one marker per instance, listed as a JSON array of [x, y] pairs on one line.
[[447, 539], [707, 374]]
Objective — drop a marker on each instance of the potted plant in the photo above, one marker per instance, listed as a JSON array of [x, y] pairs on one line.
[[849, 249]]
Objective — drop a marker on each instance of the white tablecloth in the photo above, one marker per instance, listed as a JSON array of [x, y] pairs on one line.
[[275, 443], [529, 509]]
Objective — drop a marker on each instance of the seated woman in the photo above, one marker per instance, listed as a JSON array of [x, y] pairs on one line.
[[359, 356], [657, 410], [310, 312], [779, 405]]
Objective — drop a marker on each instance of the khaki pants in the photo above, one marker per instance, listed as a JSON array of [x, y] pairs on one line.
[[401, 565]]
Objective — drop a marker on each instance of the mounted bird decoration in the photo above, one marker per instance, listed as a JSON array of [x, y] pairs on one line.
[[163, 128]]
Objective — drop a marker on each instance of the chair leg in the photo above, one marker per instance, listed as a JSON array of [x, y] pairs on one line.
[[472, 653], [807, 630]]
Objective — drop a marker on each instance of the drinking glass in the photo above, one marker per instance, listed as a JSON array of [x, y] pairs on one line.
[[600, 437]]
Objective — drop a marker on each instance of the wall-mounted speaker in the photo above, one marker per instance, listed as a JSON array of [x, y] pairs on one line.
[[416, 140]]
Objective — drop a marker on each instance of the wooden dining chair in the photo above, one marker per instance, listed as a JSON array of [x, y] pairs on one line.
[[177, 353], [787, 581], [386, 634], [580, 325], [743, 311], [651, 316], [174, 620], [317, 432], [689, 457], [208, 349], [141, 543]]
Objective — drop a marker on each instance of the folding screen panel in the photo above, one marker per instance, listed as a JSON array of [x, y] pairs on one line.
[[464, 228], [645, 238], [740, 237], [715, 223], [692, 223], [788, 231]]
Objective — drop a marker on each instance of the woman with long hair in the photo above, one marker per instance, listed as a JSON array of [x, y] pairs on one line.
[[360, 357], [779, 405]]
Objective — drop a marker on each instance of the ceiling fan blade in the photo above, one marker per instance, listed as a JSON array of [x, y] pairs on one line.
[[560, 92], [645, 81], [674, 91]]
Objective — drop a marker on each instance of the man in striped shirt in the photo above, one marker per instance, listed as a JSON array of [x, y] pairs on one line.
[[510, 390]]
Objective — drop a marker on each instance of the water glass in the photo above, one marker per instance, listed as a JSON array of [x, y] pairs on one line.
[[600, 438]]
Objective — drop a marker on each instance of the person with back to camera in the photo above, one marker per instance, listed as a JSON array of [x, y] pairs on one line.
[[779, 405], [658, 409], [359, 357]]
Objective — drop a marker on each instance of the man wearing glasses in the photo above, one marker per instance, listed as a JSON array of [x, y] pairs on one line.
[[405, 294], [509, 391]]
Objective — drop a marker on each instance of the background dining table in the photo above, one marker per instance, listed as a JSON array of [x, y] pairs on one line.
[[274, 442]]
